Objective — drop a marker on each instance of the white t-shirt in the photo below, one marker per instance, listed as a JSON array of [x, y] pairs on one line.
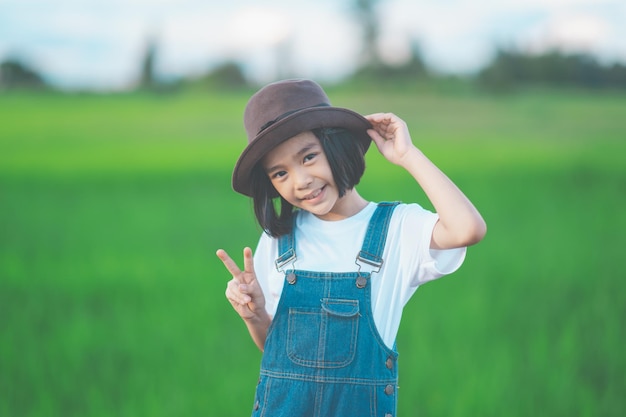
[[332, 246]]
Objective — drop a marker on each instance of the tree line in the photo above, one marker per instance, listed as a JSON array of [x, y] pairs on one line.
[[508, 70], [511, 68]]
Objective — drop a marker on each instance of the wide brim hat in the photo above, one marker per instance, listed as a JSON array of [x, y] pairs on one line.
[[282, 110]]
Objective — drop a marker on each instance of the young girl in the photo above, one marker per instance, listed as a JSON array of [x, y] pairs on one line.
[[323, 295]]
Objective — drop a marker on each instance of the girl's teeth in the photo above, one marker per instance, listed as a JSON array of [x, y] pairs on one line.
[[314, 195]]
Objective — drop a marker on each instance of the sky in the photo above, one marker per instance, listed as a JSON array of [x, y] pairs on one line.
[[98, 44]]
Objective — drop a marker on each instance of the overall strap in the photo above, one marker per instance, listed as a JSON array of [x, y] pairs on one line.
[[286, 248], [376, 235]]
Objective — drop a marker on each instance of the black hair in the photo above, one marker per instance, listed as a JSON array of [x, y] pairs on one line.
[[345, 155]]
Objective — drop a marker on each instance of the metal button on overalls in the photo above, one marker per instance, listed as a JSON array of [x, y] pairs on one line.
[[361, 282]]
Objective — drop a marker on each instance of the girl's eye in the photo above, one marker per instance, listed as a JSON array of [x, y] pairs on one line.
[[279, 174], [309, 157]]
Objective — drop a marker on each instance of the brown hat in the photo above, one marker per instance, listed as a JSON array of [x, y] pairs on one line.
[[282, 110]]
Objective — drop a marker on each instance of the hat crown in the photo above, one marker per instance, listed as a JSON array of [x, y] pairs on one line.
[[279, 99]]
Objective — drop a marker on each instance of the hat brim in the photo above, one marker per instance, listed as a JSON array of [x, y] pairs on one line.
[[292, 125]]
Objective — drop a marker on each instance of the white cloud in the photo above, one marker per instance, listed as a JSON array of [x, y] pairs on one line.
[[326, 46], [460, 35], [570, 32], [454, 36], [257, 27], [187, 42]]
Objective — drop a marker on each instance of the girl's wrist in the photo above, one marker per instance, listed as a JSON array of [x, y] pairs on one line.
[[259, 318], [412, 158]]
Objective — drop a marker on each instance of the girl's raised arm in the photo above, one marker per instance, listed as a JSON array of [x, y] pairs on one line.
[[460, 224]]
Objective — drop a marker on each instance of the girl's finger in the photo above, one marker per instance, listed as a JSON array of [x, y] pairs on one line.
[[234, 295], [376, 137], [228, 263], [248, 260], [374, 117]]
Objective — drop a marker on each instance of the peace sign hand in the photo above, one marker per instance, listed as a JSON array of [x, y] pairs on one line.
[[243, 291]]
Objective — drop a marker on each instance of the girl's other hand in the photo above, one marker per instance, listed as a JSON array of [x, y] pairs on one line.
[[391, 136], [243, 291]]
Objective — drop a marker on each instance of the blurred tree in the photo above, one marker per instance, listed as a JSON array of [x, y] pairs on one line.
[[372, 66], [17, 75], [147, 78], [226, 76], [511, 68], [501, 73], [367, 17], [617, 74], [413, 69]]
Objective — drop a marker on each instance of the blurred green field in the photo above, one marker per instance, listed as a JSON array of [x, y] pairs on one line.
[[112, 300]]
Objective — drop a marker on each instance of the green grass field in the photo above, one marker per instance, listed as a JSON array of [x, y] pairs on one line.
[[112, 300]]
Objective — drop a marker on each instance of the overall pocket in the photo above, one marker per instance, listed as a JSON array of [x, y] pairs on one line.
[[323, 337]]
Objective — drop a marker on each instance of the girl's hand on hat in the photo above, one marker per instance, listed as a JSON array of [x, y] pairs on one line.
[[243, 290], [391, 136]]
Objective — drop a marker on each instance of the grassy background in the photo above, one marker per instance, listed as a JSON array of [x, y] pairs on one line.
[[111, 297]]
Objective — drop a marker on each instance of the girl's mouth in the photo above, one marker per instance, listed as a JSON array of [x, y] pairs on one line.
[[314, 194]]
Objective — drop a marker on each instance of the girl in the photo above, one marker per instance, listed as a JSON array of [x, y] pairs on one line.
[[323, 295]]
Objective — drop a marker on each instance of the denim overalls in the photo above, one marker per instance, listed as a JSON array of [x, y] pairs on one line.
[[323, 355]]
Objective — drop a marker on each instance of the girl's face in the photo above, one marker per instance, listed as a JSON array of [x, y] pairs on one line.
[[300, 172]]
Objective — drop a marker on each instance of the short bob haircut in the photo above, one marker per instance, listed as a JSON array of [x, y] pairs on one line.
[[345, 155]]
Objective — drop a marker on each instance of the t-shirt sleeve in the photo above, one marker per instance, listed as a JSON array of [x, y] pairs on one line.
[[430, 263]]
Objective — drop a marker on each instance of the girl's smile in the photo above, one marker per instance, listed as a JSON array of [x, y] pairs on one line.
[[312, 196]]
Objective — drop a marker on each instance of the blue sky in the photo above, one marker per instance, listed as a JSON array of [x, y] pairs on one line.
[[97, 44]]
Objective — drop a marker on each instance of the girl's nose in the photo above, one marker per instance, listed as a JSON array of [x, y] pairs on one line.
[[303, 179]]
